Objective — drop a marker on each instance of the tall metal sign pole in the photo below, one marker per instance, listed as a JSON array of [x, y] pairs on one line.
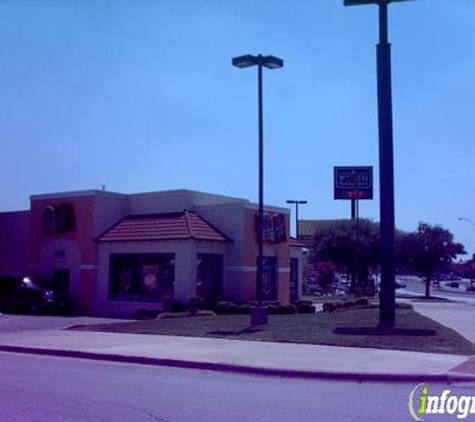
[[354, 183], [387, 313]]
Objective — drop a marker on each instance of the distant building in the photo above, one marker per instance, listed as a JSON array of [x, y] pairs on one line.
[[307, 229], [117, 253]]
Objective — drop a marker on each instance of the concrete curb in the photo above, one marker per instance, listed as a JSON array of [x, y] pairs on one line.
[[447, 378]]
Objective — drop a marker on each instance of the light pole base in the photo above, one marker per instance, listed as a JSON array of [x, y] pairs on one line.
[[259, 316]]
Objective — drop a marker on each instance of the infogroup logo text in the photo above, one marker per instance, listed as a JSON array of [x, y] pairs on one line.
[[421, 403]]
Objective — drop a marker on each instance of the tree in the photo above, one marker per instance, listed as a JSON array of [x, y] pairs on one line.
[[335, 241], [325, 275], [427, 250]]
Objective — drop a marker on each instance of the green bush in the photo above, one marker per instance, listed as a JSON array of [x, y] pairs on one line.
[[243, 309], [306, 309], [231, 309], [146, 313], [195, 304], [169, 304], [362, 301], [338, 306]]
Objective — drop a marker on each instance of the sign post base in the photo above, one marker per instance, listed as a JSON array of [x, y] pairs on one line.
[[258, 316]]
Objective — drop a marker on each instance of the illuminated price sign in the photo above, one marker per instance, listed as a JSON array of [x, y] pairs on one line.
[[353, 182]]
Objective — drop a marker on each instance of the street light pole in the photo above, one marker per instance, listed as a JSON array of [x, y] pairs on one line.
[[468, 220], [259, 315], [296, 202], [387, 308], [260, 252]]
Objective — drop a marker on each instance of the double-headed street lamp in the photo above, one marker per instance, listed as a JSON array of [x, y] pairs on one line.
[[387, 313], [259, 315], [296, 202]]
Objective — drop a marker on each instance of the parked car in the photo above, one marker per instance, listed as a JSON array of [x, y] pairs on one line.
[[470, 289], [27, 294]]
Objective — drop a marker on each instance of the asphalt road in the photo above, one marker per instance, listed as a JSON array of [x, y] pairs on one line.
[[418, 287], [47, 389]]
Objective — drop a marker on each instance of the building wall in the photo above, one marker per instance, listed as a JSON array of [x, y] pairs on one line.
[[280, 251], [87, 261], [74, 250], [298, 253], [175, 201], [14, 243], [185, 272], [109, 208]]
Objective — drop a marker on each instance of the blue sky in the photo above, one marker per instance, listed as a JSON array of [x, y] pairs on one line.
[[140, 95]]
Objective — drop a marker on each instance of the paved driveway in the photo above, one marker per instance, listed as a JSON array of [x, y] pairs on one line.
[[459, 316]]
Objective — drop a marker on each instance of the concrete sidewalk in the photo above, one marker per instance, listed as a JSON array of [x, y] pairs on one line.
[[281, 359]]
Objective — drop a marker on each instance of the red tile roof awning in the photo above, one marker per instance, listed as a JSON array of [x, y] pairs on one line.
[[186, 225]]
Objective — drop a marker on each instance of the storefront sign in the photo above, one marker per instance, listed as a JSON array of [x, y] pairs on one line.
[[58, 219], [273, 230], [353, 182]]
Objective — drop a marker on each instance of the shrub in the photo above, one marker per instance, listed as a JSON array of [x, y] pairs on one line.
[[243, 309], [348, 304], [306, 309], [231, 309], [220, 307], [185, 314], [195, 303], [291, 309], [338, 306], [146, 313], [362, 301], [169, 304]]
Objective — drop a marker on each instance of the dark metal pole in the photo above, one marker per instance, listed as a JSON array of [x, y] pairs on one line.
[[387, 314], [353, 208], [297, 219], [261, 185]]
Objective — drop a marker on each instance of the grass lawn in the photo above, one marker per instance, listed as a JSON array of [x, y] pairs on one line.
[[306, 328]]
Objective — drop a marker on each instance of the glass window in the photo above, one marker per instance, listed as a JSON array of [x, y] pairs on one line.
[[141, 276]]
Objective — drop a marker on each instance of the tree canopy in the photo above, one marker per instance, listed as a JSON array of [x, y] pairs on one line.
[[336, 241], [427, 250], [424, 251]]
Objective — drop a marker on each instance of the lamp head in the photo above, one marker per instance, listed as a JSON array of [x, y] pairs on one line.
[[270, 62], [364, 2], [245, 61]]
